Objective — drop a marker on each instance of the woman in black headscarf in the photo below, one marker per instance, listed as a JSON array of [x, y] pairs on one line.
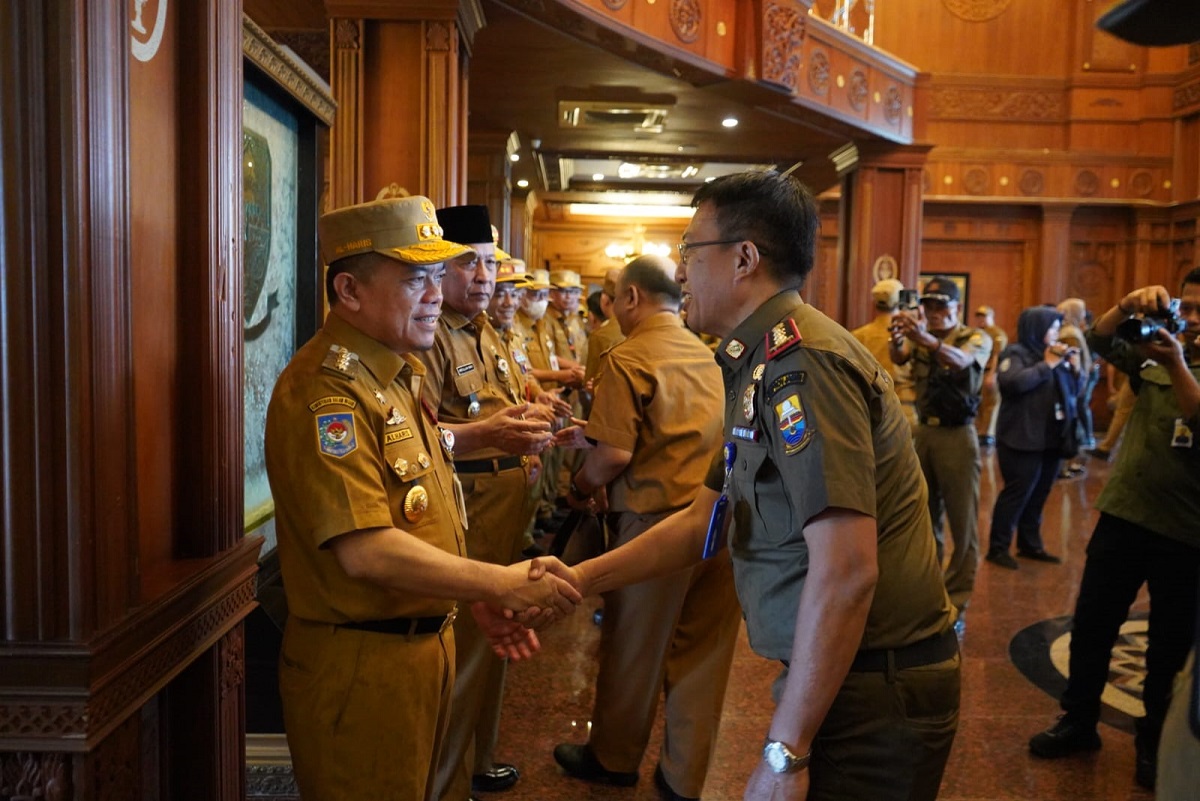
[[1039, 397]]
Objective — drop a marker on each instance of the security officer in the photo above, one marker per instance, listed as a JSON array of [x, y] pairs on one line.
[[656, 421], [830, 539], [367, 514], [947, 364], [989, 406], [472, 384], [876, 336]]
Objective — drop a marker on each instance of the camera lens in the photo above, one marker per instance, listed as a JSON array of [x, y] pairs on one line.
[[1138, 329]]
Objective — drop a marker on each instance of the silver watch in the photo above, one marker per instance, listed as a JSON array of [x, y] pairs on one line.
[[781, 759]]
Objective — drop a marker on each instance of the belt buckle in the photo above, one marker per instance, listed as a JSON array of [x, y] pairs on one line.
[[449, 621]]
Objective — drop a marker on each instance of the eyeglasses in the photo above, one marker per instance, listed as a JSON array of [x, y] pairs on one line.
[[685, 247]]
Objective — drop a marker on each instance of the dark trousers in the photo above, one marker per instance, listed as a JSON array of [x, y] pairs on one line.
[[1120, 557], [1028, 477]]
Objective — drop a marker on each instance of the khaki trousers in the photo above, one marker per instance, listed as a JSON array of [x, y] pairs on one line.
[[989, 409], [950, 461], [673, 634], [498, 509], [365, 713]]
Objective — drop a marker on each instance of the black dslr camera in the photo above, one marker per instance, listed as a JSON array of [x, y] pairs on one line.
[[1137, 330]]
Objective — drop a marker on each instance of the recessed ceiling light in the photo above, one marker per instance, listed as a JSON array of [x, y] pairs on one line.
[[630, 210], [517, 156], [730, 122], [597, 176], [710, 178], [523, 184]]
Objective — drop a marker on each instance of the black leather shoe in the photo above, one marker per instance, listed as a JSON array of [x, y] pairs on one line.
[[500, 778], [1040, 556], [664, 789], [1002, 558], [1068, 736], [1098, 453], [580, 762]]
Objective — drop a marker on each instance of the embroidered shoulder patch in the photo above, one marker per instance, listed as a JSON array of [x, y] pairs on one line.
[[332, 400], [793, 424], [795, 378], [782, 338], [341, 361], [335, 434]]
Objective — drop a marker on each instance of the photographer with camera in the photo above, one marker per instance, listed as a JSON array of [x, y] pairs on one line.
[[947, 360], [1147, 531]]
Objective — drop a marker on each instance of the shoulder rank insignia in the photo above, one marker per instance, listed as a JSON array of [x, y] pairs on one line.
[[342, 361], [335, 434], [782, 338], [793, 424]]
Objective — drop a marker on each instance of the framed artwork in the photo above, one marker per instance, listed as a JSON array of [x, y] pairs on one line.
[[963, 280], [284, 107]]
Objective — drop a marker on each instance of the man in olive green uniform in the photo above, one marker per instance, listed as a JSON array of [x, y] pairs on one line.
[[876, 337], [609, 332], [469, 381], [370, 537], [829, 528], [656, 421], [989, 406], [947, 363]]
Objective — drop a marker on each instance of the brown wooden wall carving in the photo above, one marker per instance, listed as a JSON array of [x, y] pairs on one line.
[[783, 31], [986, 103], [977, 10], [686, 19], [41, 776]]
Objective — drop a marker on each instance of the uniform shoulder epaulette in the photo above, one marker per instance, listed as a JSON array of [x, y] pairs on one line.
[[784, 336], [341, 361]]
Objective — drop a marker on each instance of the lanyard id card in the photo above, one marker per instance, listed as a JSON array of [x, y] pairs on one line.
[[716, 523]]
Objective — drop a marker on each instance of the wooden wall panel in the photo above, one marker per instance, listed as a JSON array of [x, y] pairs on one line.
[[392, 110], [579, 245]]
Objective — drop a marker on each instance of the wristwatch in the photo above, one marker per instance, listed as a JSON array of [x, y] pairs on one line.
[[576, 492], [781, 759]]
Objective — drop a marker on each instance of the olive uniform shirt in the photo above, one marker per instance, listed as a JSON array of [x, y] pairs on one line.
[[566, 332], [876, 336], [348, 446], [539, 345], [969, 381], [816, 425], [469, 363], [661, 400], [1155, 482]]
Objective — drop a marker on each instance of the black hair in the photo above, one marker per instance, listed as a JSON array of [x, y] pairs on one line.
[[648, 275], [361, 264], [776, 212], [1193, 277], [593, 304]]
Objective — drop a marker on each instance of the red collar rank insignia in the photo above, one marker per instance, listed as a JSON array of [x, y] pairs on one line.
[[782, 338]]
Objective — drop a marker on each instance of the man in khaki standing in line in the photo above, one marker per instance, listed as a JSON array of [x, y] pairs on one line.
[[989, 405]]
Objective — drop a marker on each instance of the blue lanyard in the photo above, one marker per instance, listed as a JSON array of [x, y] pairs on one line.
[[716, 523]]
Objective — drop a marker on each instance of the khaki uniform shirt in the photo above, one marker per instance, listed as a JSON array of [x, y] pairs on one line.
[[969, 381], [599, 342], [1155, 482], [566, 332], [348, 447], [661, 399], [876, 337], [539, 345], [468, 362], [518, 361], [999, 343], [816, 425]]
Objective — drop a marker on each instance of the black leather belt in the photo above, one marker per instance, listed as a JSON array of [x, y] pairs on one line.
[[490, 465], [928, 651], [406, 626]]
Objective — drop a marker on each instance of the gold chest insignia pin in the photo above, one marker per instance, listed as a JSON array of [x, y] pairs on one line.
[[416, 502]]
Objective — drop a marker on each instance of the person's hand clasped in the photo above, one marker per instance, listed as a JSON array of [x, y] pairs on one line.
[[509, 638], [572, 436], [537, 597], [554, 400], [511, 433]]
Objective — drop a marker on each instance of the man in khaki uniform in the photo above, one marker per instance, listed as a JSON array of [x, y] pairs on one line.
[[472, 384], [367, 513], [609, 332], [825, 511], [876, 336], [562, 317], [656, 421], [989, 406], [532, 324], [947, 364]]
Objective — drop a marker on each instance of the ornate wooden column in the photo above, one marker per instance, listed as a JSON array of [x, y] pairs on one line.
[[1049, 283], [398, 75], [880, 235], [489, 175]]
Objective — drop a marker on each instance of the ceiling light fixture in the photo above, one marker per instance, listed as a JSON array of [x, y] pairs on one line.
[[730, 122], [597, 176], [523, 184], [630, 210], [517, 156]]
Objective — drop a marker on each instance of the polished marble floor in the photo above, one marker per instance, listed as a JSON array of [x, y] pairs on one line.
[[549, 699]]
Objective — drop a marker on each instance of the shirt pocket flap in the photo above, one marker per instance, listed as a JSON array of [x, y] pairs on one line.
[[468, 383]]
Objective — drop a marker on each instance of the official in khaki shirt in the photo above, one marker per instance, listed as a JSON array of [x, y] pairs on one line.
[[989, 405], [827, 523], [876, 336], [370, 535], [608, 333], [477, 393], [656, 422], [947, 360], [562, 317]]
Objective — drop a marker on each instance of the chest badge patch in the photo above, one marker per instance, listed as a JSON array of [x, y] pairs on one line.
[[378, 396], [793, 424], [416, 502], [735, 349], [335, 434], [394, 417], [748, 402]]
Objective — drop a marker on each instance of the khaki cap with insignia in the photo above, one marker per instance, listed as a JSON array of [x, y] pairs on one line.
[[405, 229], [565, 279], [510, 270], [537, 279]]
